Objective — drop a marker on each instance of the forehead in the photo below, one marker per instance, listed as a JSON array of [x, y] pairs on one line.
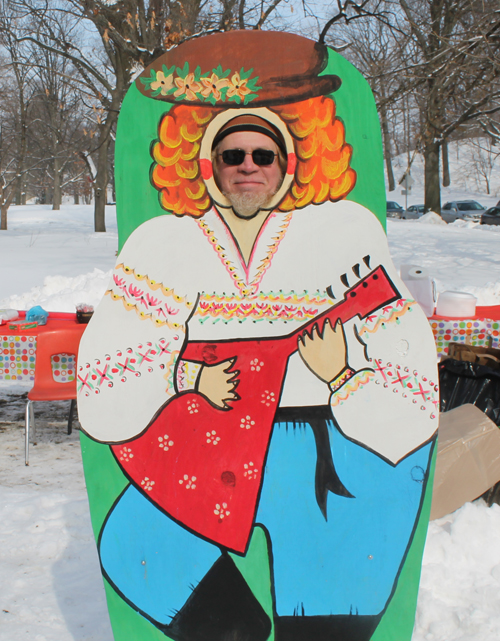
[[247, 140]]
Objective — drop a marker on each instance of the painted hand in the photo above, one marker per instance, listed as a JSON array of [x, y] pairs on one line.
[[218, 384], [324, 354]]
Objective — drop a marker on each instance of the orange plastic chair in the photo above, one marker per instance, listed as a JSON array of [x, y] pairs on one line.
[[60, 340]]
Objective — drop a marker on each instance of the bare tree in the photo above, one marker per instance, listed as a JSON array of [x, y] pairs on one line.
[[484, 157], [16, 100], [374, 50], [441, 54], [455, 44], [132, 33], [57, 117]]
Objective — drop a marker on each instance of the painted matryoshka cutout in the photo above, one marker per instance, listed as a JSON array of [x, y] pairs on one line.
[[258, 388]]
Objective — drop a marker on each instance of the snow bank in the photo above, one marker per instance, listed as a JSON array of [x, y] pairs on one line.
[[63, 293], [460, 584], [431, 218]]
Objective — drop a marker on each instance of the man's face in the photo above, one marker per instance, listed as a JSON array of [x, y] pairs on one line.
[[249, 187]]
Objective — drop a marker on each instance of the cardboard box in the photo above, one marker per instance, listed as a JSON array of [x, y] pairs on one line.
[[468, 459], [488, 356]]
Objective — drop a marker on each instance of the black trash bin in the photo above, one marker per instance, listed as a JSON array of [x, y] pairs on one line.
[[465, 382]]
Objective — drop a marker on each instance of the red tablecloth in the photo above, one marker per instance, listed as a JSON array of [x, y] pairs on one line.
[[18, 350], [483, 311]]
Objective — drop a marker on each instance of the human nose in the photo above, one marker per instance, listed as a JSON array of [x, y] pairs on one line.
[[248, 164]]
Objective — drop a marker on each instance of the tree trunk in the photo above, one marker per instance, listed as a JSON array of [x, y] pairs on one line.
[[76, 198], [21, 189], [446, 165], [105, 130], [3, 222], [19, 193], [4, 207], [101, 185], [388, 165], [387, 148], [432, 187], [390, 173], [57, 197]]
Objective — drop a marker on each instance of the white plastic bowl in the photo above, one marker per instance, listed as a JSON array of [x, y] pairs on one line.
[[456, 305]]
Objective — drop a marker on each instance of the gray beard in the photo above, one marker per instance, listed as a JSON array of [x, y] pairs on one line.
[[247, 205]]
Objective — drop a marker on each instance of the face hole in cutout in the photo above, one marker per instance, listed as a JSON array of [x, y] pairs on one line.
[[286, 162]]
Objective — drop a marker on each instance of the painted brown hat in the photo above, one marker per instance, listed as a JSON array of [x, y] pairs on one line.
[[238, 68]]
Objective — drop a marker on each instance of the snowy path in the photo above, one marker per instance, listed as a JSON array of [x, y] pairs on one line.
[[51, 588]]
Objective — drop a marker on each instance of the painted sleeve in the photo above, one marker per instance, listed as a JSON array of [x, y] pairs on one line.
[[388, 400], [128, 354]]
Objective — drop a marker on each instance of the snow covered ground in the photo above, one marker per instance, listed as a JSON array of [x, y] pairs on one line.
[[51, 589]]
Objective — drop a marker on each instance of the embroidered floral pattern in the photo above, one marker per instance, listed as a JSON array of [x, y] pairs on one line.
[[360, 379], [150, 300], [221, 510], [344, 376], [265, 306], [165, 443], [246, 423], [389, 314], [419, 389], [144, 359], [147, 484], [250, 288], [187, 375], [215, 86], [188, 482]]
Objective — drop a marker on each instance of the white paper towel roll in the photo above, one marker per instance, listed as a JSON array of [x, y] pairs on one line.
[[418, 273], [413, 272], [421, 286]]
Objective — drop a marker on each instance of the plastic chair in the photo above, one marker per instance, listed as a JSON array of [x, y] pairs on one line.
[[61, 340]]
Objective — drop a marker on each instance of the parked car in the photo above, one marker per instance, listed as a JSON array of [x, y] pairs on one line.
[[469, 210], [394, 210], [413, 211], [491, 216]]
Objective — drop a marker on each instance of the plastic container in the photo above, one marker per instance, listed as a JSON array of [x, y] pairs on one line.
[[37, 314], [84, 312], [456, 305], [7, 315], [22, 325]]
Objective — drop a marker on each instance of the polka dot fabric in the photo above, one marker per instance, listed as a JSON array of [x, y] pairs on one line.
[[477, 332]]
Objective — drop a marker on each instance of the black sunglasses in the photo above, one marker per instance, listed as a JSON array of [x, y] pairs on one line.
[[261, 157]]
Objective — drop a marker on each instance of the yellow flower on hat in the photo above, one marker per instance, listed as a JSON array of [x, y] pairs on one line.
[[213, 86], [163, 83], [238, 86], [187, 86]]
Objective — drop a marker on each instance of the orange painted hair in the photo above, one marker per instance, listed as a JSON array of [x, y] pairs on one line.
[[322, 173]]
